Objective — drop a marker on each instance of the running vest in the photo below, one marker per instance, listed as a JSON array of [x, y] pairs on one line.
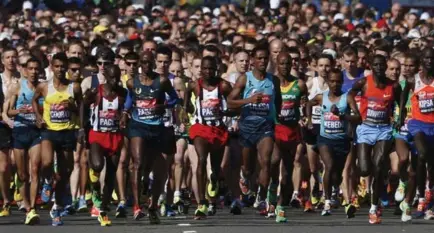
[[24, 99], [168, 119], [291, 95], [105, 113], [209, 105], [348, 84], [145, 99], [404, 130], [56, 115], [423, 101], [331, 126], [314, 91], [266, 109], [376, 105]]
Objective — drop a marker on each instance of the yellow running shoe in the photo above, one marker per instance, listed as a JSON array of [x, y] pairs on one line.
[[315, 200], [213, 192], [5, 212], [103, 219], [88, 195], [32, 218], [93, 176], [115, 196]]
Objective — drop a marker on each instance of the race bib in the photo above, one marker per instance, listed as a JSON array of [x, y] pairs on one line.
[[426, 102], [59, 113], [261, 109], [210, 109], [377, 112], [288, 111], [316, 114], [29, 117], [108, 120], [146, 109], [332, 124]]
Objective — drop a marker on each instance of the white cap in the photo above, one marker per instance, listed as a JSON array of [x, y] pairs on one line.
[[274, 4], [27, 5], [138, 6], [216, 12], [227, 43], [206, 10], [158, 8], [338, 16], [413, 11], [62, 20], [330, 52], [194, 17], [425, 16], [414, 34], [158, 40], [322, 17]]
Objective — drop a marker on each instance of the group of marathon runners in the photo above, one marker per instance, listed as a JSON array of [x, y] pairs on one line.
[[288, 108]]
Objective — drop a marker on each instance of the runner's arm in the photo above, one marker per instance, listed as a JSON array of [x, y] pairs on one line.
[[404, 98], [355, 117], [234, 100], [173, 96], [278, 97], [304, 92], [226, 90], [11, 110], [397, 93], [188, 106], [35, 105], [317, 100], [357, 87], [78, 97]]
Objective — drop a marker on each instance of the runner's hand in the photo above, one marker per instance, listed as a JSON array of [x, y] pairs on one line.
[[335, 110], [181, 128], [124, 120], [40, 123], [81, 136], [256, 98]]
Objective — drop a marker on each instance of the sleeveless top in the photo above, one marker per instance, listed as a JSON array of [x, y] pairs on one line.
[[105, 113], [266, 109], [376, 105], [404, 129], [290, 112], [332, 126], [314, 91], [24, 100], [209, 105], [56, 115], [145, 98], [423, 101]]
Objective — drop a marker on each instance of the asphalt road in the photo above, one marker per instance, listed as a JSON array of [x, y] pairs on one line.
[[223, 222]]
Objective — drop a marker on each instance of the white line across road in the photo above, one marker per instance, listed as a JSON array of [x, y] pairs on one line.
[[189, 232]]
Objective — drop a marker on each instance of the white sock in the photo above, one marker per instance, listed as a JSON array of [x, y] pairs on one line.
[[421, 199], [177, 194]]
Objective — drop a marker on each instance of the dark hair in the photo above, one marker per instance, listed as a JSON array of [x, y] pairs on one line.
[[33, 60], [213, 49], [326, 56], [293, 50], [210, 59], [164, 50], [74, 60], [337, 72], [132, 56], [8, 49], [378, 56], [260, 47], [60, 57], [114, 71], [125, 45], [349, 51], [105, 53]]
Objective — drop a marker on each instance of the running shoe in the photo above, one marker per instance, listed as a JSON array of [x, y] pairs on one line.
[[263, 208], [334, 201], [82, 205], [421, 208], [169, 211], [103, 219], [94, 212], [271, 211], [280, 214], [236, 207], [327, 210], [138, 213], [308, 207], [400, 191], [272, 193], [200, 212], [350, 211], [6, 210], [212, 209], [429, 215], [120, 210], [406, 211], [295, 201], [244, 186], [163, 209], [355, 202], [32, 218], [374, 218], [46, 192], [213, 187], [56, 219], [69, 210], [153, 217]]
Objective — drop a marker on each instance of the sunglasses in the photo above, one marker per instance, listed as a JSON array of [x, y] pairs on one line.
[[74, 69], [131, 63], [100, 63]]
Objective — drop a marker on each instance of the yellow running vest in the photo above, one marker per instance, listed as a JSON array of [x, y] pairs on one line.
[[56, 115]]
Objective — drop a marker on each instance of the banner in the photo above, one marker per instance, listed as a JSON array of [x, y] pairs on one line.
[[415, 3]]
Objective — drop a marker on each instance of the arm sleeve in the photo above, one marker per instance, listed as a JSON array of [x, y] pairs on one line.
[[173, 98], [128, 101]]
